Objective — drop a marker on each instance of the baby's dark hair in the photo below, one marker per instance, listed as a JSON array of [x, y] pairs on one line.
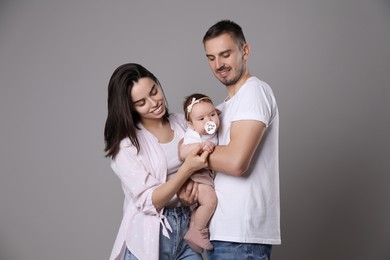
[[189, 100]]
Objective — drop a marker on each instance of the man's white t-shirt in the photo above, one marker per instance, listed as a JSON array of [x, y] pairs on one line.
[[248, 209]]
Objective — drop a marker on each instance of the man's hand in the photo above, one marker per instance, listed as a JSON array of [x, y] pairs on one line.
[[188, 193]]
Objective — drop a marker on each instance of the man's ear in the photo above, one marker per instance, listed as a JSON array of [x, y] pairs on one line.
[[246, 49]]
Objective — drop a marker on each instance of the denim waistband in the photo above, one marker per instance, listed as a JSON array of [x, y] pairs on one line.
[[185, 210]]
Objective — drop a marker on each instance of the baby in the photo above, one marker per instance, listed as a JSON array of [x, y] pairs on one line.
[[203, 122]]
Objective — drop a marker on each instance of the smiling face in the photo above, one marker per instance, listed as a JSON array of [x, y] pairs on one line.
[[201, 113], [148, 99], [226, 59]]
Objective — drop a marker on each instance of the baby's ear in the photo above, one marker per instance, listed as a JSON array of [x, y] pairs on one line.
[[218, 111], [189, 124]]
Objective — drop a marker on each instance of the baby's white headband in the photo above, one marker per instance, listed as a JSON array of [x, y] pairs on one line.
[[193, 102]]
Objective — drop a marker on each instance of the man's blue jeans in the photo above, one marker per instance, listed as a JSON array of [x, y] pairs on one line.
[[175, 247], [239, 251]]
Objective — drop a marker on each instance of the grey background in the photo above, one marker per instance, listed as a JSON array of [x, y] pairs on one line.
[[327, 61]]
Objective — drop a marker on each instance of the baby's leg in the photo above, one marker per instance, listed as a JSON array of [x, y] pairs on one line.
[[197, 235], [207, 200]]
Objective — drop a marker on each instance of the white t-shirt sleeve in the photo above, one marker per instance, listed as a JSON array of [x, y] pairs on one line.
[[191, 137], [254, 102]]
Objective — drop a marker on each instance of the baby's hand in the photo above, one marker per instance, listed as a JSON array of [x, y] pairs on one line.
[[208, 146]]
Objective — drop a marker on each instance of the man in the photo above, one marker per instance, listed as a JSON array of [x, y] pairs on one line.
[[246, 221]]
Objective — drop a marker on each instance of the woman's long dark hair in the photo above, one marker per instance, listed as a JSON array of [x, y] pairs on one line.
[[122, 118]]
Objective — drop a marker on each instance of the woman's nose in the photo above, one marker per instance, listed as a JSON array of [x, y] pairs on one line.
[[152, 102]]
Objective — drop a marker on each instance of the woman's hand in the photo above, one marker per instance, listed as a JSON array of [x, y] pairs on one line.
[[196, 159]]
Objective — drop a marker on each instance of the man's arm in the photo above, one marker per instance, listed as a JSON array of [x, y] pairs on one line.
[[235, 158]]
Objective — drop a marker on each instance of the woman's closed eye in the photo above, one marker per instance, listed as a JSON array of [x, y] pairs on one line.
[[154, 91]]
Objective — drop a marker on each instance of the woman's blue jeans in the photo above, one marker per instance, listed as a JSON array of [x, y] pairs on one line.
[[174, 248]]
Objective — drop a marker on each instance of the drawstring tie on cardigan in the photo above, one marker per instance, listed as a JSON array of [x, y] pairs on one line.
[[165, 225]]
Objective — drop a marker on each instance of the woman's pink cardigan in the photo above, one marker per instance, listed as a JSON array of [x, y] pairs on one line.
[[140, 174]]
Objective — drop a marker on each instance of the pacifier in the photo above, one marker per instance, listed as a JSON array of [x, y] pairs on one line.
[[210, 127]]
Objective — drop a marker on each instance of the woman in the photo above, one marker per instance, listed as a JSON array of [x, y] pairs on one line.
[[142, 141]]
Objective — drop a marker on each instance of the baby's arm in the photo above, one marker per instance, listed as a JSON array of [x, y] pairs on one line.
[[208, 146], [184, 149]]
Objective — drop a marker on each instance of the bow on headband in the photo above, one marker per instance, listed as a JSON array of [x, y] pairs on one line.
[[193, 102]]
